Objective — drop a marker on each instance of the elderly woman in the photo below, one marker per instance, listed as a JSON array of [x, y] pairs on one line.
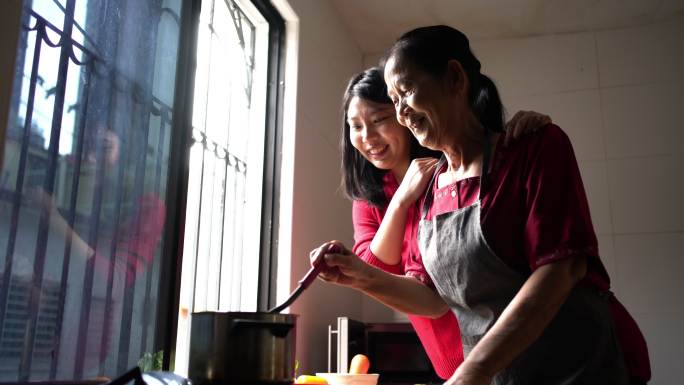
[[384, 172], [505, 235]]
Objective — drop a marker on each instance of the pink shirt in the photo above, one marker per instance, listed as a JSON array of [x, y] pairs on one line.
[[440, 337], [138, 239]]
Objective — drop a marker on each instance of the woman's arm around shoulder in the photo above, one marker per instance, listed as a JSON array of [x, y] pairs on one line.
[[366, 219], [388, 242]]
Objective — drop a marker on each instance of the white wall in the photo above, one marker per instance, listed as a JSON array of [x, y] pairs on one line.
[[618, 95], [327, 58]]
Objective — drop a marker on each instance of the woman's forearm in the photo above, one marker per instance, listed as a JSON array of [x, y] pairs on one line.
[[404, 294], [389, 238], [77, 243], [526, 317]]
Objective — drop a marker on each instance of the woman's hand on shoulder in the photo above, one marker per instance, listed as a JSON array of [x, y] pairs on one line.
[[524, 122], [341, 266], [415, 180]]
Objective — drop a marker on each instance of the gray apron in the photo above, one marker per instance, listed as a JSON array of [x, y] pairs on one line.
[[579, 346]]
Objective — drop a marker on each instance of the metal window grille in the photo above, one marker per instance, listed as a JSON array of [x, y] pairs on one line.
[[219, 154], [64, 314], [221, 249]]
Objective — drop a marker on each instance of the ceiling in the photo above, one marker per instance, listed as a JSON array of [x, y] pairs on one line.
[[375, 24]]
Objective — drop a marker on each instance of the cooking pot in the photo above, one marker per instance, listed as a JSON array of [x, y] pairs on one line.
[[242, 348]]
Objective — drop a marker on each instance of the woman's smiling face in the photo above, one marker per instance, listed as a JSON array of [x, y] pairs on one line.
[[376, 134], [423, 103]]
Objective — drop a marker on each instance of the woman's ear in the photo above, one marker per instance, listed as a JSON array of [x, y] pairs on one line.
[[456, 77]]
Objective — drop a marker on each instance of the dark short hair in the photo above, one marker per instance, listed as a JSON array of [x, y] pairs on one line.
[[431, 48], [360, 179]]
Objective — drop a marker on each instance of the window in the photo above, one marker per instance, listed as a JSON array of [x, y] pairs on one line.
[[84, 187], [224, 204], [95, 179]]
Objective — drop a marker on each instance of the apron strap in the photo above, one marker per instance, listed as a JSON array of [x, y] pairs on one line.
[[429, 192], [486, 155]]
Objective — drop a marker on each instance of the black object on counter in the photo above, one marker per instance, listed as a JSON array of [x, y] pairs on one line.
[[132, 375], [242, 348]]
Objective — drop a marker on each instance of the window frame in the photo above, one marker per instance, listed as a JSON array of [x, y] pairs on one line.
[[177, 183], [270, 209], [177, 188]]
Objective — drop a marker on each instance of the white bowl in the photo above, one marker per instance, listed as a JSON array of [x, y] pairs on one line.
[[350, 379]]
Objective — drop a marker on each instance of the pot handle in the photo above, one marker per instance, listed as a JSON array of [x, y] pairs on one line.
[[277, 329]]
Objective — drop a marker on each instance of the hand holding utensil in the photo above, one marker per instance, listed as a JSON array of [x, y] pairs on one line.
[[316, 267]]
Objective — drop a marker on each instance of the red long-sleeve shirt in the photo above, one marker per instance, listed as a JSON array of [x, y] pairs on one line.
[[440, 337], [535, 212]]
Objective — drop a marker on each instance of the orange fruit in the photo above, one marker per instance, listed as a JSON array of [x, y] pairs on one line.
[[359, 364]]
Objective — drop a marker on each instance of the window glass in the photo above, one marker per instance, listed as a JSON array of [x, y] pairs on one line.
[[223, 219], [83, 187]]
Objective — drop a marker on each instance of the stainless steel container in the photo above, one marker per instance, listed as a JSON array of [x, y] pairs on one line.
[[242, 348]]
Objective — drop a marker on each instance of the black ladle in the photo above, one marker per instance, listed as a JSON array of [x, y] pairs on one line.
[[306, 281]]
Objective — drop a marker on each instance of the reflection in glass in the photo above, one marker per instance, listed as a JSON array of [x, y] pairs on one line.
[[82, 191]]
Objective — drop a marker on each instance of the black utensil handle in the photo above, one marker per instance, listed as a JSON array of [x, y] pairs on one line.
[[311, 275], [317, 267], [293, 296]]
